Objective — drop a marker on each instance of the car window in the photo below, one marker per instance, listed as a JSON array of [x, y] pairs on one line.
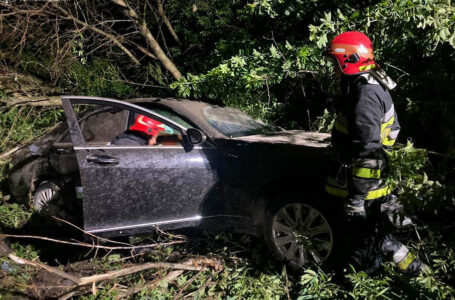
[[101, 125], [167, 129], [98, 124], [168, 114], [234, 123]]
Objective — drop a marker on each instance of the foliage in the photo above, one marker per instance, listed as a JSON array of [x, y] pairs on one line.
[[25, 251], [275, 71], [246, 81], [12, 215], [263, 7], [266, 76], [430, 287], [318, 285], [249, 274], [98, 77], [409, 178], [19, 125], [426, 23], [4, 167], [365, 286], [325, 122], [247, 283]]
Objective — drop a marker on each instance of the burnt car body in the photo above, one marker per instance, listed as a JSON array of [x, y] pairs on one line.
[[216, 168]]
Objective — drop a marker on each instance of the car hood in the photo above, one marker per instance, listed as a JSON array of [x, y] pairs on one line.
[[294, 137]]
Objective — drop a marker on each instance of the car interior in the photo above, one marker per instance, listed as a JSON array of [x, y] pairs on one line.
[[100, 126]]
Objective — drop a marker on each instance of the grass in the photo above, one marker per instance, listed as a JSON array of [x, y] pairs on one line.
[[250, 274], [13, 215]]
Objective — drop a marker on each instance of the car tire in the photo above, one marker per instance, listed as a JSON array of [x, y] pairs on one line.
[[298, 233], [47, 198], [52, 200]]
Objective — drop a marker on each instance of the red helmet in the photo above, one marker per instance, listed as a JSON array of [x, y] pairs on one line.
[[353, 51], [147, 125]]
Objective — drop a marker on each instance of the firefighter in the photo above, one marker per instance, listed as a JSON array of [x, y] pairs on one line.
[[365, 126], [143, 132]]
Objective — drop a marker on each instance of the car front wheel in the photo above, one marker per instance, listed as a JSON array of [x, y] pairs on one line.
[[52, 200], [298, 233], [46, 198]]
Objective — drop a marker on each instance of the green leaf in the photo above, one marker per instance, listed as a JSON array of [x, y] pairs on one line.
[[322, 41], [288, 46], [274, 52]]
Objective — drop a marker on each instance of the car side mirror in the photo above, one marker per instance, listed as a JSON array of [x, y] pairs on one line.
[[195, 136]]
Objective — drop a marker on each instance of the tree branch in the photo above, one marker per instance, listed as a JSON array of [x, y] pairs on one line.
[[99, 31], [87, 245], [189, 265], [171, 276], [151, 41], [23, 261], [134, 269], [91, 234], [143, 50], [166, 21], [5, 155]]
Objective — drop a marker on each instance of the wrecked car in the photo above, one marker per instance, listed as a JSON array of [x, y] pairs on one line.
[[213, 168]]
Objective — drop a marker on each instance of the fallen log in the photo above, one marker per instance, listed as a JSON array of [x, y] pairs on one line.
[[32, 101], [134, 269], [189, 265]]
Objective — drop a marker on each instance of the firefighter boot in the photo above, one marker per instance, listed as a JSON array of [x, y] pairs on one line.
[[402, 257]]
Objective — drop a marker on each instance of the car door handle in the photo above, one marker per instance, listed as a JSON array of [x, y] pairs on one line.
[[63, 151], [102, 160]]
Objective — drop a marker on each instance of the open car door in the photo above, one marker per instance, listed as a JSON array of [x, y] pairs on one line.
[[130, 189]]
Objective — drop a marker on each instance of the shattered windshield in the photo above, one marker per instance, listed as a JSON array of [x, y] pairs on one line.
[[234, 123]]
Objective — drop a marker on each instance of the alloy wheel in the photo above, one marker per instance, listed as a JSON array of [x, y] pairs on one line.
[[301, 234]]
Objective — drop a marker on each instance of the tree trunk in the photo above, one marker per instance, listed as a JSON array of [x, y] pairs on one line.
[[17, 100]]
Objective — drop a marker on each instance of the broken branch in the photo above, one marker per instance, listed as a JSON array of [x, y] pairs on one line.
[[99, 31], [143, 50], [6, 155], [150, 285], [189, 265], [23, 261], [90, 234], [153, 43], [134, 269], [167, 22], [188, 283], [87, 245]]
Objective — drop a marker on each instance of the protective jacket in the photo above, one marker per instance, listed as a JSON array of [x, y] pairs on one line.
[[366, 124]]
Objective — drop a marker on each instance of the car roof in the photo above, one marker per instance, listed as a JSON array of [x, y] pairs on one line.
[[192, 110]]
